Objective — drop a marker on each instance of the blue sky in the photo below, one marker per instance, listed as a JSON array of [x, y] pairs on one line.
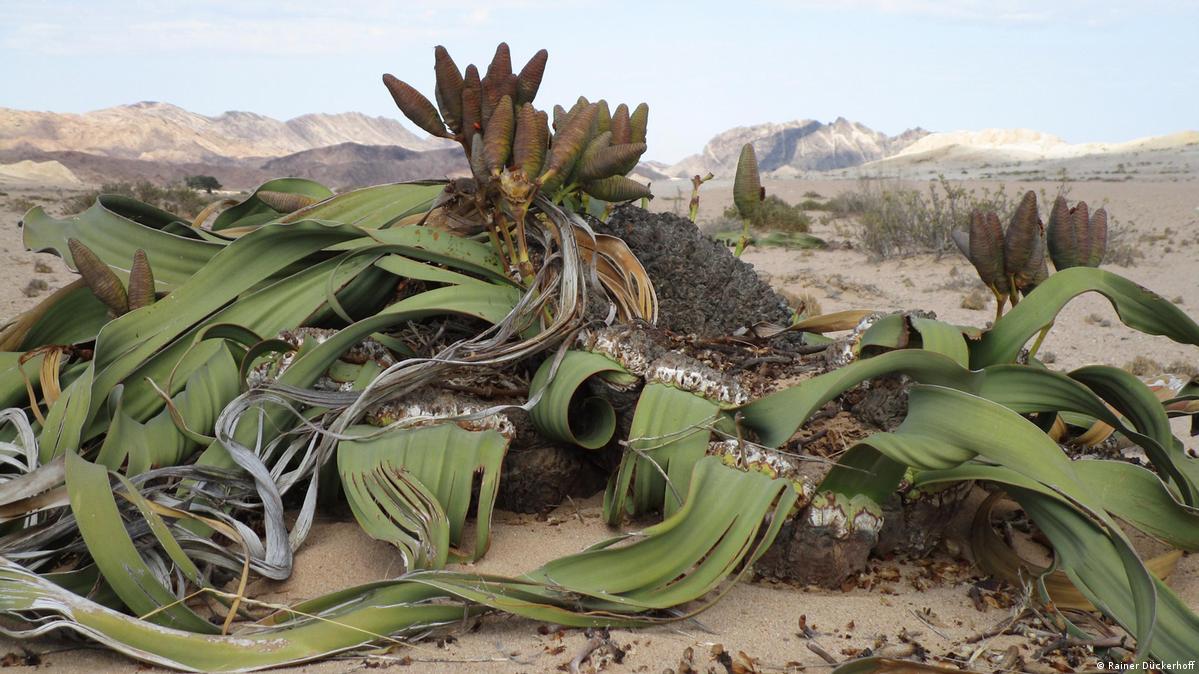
[[1086, 71]]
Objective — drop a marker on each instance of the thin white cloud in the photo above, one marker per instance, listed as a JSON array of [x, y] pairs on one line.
[[1014, 12], [242, 27]]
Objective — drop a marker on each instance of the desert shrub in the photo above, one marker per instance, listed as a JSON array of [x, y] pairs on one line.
[[1144, 366], [177, 199], [849, 203], [206, 183], [894, 219], [1122, 246], [802, 302], [727, 232], [776, 215]]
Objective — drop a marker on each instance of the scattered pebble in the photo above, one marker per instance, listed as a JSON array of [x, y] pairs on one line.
[[35, 287], [42, 267], [976, 300]]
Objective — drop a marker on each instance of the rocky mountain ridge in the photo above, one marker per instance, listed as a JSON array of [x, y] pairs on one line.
[[163, 132], [795, 147]]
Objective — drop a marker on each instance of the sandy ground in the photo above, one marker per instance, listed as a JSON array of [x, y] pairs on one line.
[[761, 620]]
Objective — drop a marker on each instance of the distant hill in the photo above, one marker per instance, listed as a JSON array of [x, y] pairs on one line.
[[37, 173], [1026, 153], [349, 164], [165, 132], [794, 147], [1027, 145], [165, 143], [338, 166]]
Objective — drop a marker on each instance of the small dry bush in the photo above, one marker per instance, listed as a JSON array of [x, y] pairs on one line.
[[178, 199], [803, 303], [895, 219], [775, 215], [1143, 366]]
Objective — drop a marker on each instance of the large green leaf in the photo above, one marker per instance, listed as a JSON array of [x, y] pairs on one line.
[[684, 559], [945, 427], [669, 434], [128, 341], [168, 438], [253, 211], [1137, 307], [104, 532], [412, 487], [114, 239]]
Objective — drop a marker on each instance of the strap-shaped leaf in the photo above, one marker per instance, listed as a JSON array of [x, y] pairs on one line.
[[1138, 308], [668, 436], [684, 559], [103, 531], [254, 211], [412, 487], [925, 442]]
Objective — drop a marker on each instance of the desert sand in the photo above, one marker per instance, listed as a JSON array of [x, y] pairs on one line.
[[927, 599]]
